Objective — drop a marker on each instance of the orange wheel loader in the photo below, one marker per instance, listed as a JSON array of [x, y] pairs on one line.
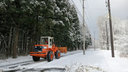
[[47, 49]]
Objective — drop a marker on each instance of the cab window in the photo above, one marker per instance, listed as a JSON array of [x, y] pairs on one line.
[[50, 42]]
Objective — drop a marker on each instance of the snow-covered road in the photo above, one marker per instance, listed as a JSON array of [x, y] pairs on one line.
[[93, 61], [13, 64]]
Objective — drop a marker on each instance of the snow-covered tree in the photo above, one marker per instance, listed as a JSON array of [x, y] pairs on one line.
[[120, 34]]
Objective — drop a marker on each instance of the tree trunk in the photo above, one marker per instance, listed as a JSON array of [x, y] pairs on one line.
[[15, 43], [4, 45], [9, 42], [25, 43], [26, 50], [22, 42], [31, 45]]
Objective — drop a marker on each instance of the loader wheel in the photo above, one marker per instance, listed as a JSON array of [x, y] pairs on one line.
[[57, 54], [35, 58], [50, 56]]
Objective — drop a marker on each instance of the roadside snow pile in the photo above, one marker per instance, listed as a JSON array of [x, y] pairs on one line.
[[82, 68]]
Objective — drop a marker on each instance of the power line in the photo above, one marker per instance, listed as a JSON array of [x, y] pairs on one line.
[[88, 12], [79, 12], [77, 8]]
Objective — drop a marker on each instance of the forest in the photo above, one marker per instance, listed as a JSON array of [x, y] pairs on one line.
[[23, 22]]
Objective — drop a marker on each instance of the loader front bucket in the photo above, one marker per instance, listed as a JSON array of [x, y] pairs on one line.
[[62, 49]]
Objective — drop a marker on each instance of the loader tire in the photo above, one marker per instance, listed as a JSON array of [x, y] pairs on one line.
[[57, 54], [35, 58], [50, 56]]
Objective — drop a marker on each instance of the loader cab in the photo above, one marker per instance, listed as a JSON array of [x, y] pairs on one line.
[[46, 40]]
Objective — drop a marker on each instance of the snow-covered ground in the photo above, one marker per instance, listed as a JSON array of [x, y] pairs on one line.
[[14, 61], [93, 61]]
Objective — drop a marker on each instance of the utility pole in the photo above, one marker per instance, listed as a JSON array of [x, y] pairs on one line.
[[107, 35], [83, 30], [111, 32]]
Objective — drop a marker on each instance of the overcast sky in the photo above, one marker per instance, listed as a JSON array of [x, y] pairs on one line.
[[96, 8]]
